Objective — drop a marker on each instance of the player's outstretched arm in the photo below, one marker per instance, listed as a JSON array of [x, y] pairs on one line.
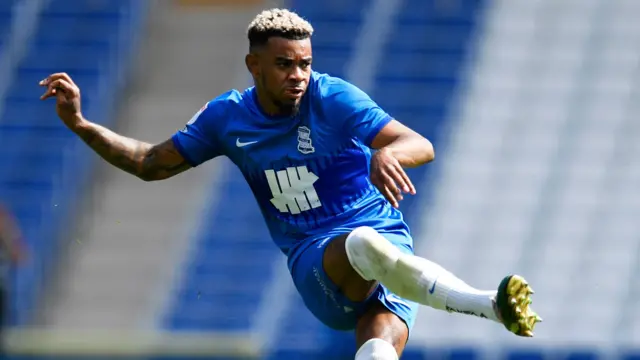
[[146, 161]]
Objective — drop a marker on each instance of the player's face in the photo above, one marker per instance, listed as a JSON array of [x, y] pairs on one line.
[[283, 72]]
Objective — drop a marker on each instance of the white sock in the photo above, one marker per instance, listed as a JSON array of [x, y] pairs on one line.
[[376, 349], [414, 278]]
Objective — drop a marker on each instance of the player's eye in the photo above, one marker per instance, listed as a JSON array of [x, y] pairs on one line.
[[305, 64]]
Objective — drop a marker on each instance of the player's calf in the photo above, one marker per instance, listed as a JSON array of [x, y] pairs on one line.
[[380, 334], [425, 282]]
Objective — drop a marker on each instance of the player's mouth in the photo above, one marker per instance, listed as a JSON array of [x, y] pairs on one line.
[[294, 91]]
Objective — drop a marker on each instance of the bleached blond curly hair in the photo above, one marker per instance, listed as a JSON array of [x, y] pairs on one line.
[[280, 23]]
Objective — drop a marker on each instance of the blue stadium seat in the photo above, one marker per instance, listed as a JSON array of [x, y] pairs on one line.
[[331, 11], [6, 8], [88, 57], [437, 12], [96, 8], [336, 24]]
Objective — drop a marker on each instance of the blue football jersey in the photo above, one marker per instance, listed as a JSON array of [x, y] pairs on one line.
[[310, 172]]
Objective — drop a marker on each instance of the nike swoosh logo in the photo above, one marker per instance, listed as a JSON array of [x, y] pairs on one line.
[[433, 287], [242, 144]]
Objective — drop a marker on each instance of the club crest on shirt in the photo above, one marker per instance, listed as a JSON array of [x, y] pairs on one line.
[[305, 145]]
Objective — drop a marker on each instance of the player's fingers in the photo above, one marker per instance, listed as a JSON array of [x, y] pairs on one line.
[[67, 89], [411, 189], [57, 76], [396, 175], [378, 181], [391, 184], [388, 194], [49, 93]]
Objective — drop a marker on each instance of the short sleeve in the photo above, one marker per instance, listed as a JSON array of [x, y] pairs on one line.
[[362, 118], [197, 141]]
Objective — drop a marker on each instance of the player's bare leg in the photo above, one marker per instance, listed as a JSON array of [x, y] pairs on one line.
[[380, 334], [427, 283], [337, 267]]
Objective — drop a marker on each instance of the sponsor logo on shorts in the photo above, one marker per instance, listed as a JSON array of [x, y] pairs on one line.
[[324, 287]]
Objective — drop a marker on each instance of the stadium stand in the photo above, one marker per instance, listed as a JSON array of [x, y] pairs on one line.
[[42, 174], [535, 129], [208, 299]]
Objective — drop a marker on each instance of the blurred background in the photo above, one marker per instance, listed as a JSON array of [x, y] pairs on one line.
[[533, 107]]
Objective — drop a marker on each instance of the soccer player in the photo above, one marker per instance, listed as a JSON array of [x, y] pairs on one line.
[[325, 164]]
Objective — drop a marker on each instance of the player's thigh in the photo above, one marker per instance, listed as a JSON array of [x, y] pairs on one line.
[[339, 270], [381, 323], [318, 292], [325, 296]]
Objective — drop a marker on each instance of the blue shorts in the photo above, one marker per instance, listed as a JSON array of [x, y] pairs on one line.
[[323, 298]]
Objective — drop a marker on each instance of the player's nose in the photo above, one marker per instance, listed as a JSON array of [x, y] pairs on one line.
[[296, 75]]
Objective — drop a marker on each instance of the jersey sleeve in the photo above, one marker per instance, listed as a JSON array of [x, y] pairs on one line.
[[197, 141], [361, 117]]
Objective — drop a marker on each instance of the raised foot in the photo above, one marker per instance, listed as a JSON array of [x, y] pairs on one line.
[[512, 306]]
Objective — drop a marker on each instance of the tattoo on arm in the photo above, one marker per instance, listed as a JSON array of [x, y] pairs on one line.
[[146, 161], [163, 161]]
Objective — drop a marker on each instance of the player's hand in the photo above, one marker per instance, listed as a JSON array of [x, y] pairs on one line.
[[67, 96], [389, 177]]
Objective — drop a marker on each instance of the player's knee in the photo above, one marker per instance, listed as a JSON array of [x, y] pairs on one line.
[[376, 349], [369, 253], [361, 238]]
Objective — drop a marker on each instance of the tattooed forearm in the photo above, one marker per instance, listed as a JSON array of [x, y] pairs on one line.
[[146, 161], [124, 153], [162, 161]]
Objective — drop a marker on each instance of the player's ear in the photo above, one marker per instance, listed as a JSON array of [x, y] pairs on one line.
[[252, 63]]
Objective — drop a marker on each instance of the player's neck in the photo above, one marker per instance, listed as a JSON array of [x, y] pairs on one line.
[[266, 106]]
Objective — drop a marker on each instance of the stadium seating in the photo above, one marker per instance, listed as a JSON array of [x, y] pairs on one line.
[[542, 164], [230, 242], [544, 169], [42, 175]]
